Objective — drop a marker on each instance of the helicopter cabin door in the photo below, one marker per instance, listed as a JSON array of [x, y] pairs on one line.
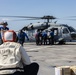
[[66, 34], [55, 34]]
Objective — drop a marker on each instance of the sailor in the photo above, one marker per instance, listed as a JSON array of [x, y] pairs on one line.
[[21, 37], [49, 36], [38, 37], [52, 36], [2, 30], [44, 35], [13, 57]]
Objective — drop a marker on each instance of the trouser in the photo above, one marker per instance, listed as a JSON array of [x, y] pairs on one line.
[[31, 69], [45, 40], [21, 42], [52, 40], [49, 39], [38, 41]]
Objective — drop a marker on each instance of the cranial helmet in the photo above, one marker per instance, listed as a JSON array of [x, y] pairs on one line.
[[9, 36], [5, 23]]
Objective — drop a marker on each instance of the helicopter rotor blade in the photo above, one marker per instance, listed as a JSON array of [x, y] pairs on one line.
[[71, 19], [72, 16], [48, 17], [7, 19], [20, 16], [44, 17]]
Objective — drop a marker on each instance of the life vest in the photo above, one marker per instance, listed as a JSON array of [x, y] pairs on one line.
[[10, 58]]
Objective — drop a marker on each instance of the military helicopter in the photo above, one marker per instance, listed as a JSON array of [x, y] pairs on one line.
[[62, 32]]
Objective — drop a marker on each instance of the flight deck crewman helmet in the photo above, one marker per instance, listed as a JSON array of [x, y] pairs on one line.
[[9, 36], [4, 23]]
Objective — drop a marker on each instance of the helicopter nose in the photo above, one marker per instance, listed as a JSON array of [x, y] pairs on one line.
[[73, 35]]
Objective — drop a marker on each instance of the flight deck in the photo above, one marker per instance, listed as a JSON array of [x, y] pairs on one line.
[[50, 56]]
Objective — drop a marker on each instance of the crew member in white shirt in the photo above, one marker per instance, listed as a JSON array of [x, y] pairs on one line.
[[13, 57]]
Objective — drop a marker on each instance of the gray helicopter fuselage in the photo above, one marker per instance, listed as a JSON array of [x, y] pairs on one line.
[[63, 31]]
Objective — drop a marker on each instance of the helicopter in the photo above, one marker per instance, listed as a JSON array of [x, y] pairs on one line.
[[62, 32]]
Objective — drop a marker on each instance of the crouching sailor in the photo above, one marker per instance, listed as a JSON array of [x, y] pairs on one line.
[[13, 57]]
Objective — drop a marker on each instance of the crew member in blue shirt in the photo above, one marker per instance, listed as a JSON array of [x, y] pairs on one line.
[[21, 37], [44, 36], [52, 37], [2, 30]]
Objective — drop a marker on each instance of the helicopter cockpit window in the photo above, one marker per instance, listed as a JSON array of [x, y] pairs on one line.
[[65, 31], [71, 29]]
